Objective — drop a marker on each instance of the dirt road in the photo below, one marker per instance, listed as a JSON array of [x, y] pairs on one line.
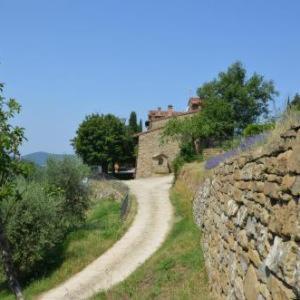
[[148, 231]]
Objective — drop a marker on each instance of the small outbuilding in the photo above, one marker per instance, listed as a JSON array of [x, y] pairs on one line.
[[160, 164]]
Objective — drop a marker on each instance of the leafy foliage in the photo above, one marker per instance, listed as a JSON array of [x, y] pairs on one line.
[[52, 201], [132, 123], [248, 97], [230, 103], [10, 139], [254, 129], [34, 224], [214, 122], [103, 140], [295, 103], [245, 144], [67, 176]]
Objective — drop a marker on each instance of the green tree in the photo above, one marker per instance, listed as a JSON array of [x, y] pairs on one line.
[[213, 123], [254, 129], [248, 97], [141, 126], [34, 226], [68, 175], [103, 140], [295, 103], [11, 138], [132, 123]]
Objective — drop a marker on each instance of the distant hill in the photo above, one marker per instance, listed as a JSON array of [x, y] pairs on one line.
[[40, 158]]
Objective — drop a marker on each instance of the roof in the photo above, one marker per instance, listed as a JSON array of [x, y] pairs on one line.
[[156, 156], [195, 100], [178, 114], [164, 118]]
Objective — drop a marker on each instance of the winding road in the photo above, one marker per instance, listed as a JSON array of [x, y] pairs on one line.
[[147, 232]]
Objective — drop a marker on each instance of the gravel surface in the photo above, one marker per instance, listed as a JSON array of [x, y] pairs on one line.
[[147, 232]]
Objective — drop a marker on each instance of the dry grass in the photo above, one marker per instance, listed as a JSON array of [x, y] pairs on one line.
[[288, 119]]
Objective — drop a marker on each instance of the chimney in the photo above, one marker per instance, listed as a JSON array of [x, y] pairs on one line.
[[170, 110]]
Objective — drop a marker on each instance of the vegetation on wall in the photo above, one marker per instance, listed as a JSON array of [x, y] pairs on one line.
[[295, 103], [253, 129]]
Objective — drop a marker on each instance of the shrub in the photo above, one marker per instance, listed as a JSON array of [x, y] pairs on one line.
[[187, 154], [255, 129], [246, 144], [33, 224], [68, 175], [177, 163]]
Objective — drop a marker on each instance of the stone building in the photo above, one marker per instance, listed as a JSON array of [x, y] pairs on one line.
[[153, 156]]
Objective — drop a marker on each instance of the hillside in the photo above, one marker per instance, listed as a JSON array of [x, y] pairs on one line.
[[40, 158]]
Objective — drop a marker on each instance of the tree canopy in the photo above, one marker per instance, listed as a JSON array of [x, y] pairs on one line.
[[295, 103], [213, 123], [11, 137], [230, 103], [103, 140], [132, 123], [248, 97]]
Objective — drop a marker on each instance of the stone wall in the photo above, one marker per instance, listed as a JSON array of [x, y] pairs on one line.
[[249, 213], [150, 146]]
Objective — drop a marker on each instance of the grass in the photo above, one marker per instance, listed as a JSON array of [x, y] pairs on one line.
[[288, 118], [101, 230], [176, 270]]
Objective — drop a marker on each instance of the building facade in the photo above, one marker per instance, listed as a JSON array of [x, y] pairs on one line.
[[155, 157]]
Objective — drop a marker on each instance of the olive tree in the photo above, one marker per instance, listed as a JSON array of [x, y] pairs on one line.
[[11, 138]]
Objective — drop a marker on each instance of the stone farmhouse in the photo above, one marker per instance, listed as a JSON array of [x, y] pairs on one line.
[[153, 156]]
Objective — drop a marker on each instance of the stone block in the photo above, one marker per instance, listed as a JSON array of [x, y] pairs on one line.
[[283, 260], [278, 290], [251, 284], [271, 189]]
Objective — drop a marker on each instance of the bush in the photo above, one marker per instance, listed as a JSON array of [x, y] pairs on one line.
[[68, 175], [245, 144], [254, 129], [33, 224], [177, 163], [186, 154]]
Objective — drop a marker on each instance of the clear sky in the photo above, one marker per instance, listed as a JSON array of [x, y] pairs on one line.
[[64, 59]]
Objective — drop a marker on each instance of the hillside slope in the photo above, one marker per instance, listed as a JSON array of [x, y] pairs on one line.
[[40, 158]]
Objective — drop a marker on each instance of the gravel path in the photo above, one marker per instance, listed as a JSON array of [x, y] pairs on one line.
[[148, 231]]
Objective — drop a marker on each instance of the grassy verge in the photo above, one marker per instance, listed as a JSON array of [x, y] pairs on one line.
[[101, 230], [176, 270]]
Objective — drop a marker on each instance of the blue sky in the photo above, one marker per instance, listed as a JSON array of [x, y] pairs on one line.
[[64, 59]]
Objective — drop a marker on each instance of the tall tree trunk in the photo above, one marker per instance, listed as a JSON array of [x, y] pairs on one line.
[[8, 266]]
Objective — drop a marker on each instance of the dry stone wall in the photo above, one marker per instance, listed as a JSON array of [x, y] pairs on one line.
[[249, 213]]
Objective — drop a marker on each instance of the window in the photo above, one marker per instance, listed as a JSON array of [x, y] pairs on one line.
[[160, 161]]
